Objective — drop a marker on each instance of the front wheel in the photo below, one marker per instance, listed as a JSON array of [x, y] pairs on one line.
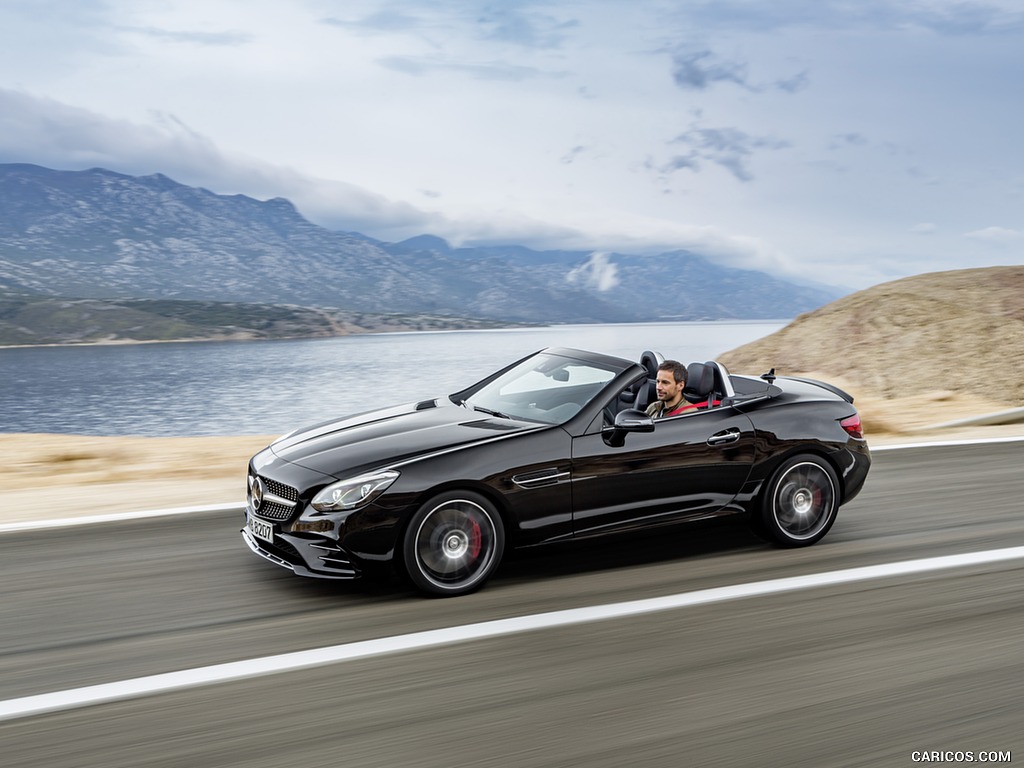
[[453, 543], [800, 502]]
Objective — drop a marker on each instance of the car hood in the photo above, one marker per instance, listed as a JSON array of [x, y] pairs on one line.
[[390, 436]]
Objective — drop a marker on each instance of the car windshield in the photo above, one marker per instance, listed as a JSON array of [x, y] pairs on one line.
[[547, 388]]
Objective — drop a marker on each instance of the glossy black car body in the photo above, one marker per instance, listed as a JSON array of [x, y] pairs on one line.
[[555, 446]]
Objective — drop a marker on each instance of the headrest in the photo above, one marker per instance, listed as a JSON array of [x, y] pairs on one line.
[[723, 385], [700, 382], [651, 361]]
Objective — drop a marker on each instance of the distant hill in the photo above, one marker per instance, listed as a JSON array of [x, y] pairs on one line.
[[34, 320], [961, 332], [102, 235]]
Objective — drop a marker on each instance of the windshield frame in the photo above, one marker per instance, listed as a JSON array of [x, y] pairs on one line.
[[512, 392]]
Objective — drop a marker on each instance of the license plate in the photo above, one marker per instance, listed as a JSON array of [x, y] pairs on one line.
[[261, 530]]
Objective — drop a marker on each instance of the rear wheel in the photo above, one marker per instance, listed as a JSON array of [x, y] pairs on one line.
[[453, 543], [800, 502]]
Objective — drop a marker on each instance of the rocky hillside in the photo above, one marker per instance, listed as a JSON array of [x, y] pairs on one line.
[[956, 332]]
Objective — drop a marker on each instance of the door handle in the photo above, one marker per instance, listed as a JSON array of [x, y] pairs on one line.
[[721, 438]]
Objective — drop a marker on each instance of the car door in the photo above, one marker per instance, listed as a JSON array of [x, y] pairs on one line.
[[690, 466]]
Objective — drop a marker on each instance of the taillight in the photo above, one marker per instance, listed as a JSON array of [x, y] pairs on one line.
[[853, 426]]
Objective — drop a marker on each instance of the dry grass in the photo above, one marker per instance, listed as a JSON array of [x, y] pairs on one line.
[[56, 476], [31, 460], [960, 332]]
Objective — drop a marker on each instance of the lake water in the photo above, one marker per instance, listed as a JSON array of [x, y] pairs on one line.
[[272, 387]]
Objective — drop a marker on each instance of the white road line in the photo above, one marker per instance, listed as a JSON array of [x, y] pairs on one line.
[[946, 443], [114, 517], [219, 673], [29, 525]]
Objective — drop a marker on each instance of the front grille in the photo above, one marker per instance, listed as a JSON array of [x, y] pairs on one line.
[[273, 510], [282, 490], [270, 511]]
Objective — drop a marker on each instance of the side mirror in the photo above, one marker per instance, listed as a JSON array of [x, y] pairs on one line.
[[632, 420], [629, 420]]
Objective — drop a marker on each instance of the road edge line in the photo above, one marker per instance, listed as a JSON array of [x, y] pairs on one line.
[[115, 517]]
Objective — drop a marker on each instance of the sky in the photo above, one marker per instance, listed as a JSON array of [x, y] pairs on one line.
[[844, 142]]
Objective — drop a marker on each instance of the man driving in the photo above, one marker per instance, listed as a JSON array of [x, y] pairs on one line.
[[670, 383]]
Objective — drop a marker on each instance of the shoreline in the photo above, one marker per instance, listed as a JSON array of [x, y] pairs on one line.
[[128, 342], [511, 326]]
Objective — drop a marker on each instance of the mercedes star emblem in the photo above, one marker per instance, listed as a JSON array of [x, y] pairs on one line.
[[258, 490]]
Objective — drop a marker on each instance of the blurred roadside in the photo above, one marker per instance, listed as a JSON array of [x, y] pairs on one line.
[[58, 476], [48, 476]]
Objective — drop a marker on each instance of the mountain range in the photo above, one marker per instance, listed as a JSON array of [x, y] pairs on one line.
[[97, 234]]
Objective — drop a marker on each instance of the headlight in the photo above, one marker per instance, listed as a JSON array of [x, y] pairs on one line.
[[353, 493]]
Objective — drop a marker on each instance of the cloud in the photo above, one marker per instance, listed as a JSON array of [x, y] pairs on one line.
[[385, 21], [530, 30], [495, 70], [996, 235], [843, 140], [56, 135], [796, 83], [699, 70], [968, 17], [572, 154], [472, 39], [491, 23], [731, 148], [52, 133], [599, 273], [920, 174], [193, 38]]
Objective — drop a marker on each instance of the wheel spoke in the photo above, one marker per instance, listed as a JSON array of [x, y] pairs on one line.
[[455, 542], [804, 501]]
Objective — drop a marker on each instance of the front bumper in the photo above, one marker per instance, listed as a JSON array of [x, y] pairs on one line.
[[313, 556]]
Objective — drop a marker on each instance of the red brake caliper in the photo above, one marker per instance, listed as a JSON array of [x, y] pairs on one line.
[[475, 539]]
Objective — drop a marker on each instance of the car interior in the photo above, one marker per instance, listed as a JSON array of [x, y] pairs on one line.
[[708, 385]]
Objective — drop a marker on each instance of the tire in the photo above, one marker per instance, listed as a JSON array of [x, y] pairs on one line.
[[800, 502], [453, 544]]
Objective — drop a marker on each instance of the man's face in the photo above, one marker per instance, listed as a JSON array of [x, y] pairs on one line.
[[668, 390]]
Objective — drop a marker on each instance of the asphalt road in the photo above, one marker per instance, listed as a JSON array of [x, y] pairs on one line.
[[861, 674]]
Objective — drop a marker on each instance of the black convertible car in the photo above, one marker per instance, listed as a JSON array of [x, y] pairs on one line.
[[555, 446]]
